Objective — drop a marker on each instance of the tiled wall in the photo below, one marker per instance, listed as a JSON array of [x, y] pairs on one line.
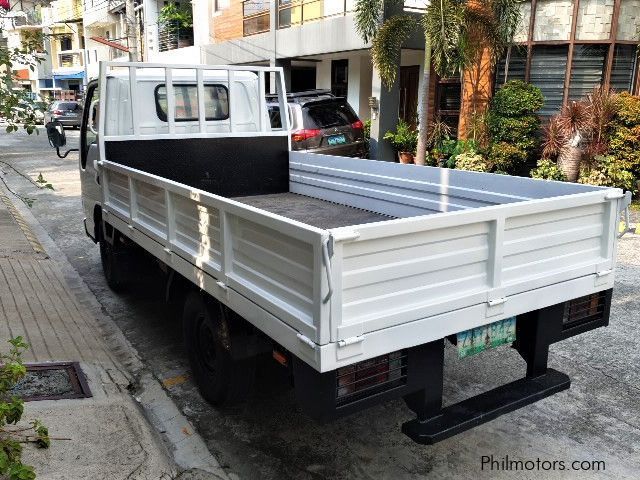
[[523, 30], [553, 20], [594, 19], [629, 20]]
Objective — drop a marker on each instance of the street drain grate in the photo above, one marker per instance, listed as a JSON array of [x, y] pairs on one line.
[[52, 381]]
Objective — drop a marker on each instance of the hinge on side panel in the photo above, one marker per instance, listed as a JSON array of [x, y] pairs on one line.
[[603, 277], [350, 341], [306, 340], [496, 301], [345, 236]]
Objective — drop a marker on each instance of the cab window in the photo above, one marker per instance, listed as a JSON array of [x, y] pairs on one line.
[[89, 118], [216, 102]]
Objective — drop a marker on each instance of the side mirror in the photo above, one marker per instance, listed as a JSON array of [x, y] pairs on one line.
[[55, 132], [57, 137]]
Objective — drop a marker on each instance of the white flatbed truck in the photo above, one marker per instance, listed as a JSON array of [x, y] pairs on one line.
[[352, 273]]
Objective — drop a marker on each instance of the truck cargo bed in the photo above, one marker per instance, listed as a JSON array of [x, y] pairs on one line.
[[312, 211]]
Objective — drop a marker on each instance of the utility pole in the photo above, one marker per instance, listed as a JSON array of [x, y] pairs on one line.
[[132, 37]]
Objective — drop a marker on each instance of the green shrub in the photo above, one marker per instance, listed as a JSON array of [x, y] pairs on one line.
[[404, 139], [507, 158], [607, 172], [511, 120], [628, 110], [366, 132], [624, 133], [548, 170], [473, 162], [520, 131], [450, 149], [12, 437], [517, 98]]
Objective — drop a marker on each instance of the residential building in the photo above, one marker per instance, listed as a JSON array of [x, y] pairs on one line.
[[64, 35], [565, 47], [21, 25], [105, 35]]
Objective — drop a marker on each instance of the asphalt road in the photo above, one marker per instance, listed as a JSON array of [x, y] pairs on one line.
[[598, 419]]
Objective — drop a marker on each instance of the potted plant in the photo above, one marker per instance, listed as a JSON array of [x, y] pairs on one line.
[[404, 140]]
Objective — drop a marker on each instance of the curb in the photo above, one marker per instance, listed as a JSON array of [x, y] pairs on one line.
[[188, 449], [26, 230]]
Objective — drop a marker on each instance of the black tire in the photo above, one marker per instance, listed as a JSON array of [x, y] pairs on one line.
[[113, 263], [221, 379]]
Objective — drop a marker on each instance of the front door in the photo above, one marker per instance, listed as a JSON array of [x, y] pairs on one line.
[[89, 156], [409, 82]]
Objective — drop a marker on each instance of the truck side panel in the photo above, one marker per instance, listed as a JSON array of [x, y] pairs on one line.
[[269, 260]]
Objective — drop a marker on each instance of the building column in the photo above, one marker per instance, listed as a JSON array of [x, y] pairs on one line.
[[385, 116], [477, 80], [285, 63]]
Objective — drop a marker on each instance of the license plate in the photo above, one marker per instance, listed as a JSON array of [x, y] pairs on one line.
[[489, 336], [337, 140], [68, 114]]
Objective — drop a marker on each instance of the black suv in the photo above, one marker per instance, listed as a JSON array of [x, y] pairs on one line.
[[321, 122]]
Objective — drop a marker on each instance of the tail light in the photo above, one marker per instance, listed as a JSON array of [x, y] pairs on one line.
[[304, 134], [371, 376], [584, 309], [57, 112], [357, 125]]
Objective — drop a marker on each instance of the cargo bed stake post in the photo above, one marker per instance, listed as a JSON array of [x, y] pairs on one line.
[[168, 200], [262, 101], [231, 80], [201, 113], [327, 268], [282, 102], [133, 100], [133, 202], [171, 99]]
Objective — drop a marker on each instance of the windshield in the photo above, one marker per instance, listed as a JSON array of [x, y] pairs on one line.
[[328, 114], [65, 106]]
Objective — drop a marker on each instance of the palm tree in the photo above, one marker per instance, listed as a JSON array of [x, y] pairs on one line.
[[449, 26]]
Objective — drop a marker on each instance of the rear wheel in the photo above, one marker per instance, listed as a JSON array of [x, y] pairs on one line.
[[112, 259], [221, 378]]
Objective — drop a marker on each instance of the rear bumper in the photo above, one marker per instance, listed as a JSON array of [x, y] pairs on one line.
[[355, 149], [422, 383], [67, 122]]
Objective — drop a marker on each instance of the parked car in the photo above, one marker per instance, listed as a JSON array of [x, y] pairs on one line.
[[68, 113], [322, 123]]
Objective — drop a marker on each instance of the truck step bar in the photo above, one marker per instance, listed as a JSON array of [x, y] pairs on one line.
[[487, 406]]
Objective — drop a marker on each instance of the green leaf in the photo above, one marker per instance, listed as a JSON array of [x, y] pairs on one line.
[[4, 461], [387, 46], [19, 471]]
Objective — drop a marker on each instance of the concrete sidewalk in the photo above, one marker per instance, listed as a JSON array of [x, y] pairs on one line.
[[110, 435]]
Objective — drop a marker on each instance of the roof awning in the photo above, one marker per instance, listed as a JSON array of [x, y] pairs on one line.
[[71, 74], [109, 43]]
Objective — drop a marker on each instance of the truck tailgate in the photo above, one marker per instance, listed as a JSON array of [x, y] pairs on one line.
[[404, 270]]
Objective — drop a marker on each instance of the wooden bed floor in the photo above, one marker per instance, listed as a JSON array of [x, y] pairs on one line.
[[312, 211]]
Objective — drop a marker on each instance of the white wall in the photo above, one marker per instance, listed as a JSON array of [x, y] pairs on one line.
[[359, 78]]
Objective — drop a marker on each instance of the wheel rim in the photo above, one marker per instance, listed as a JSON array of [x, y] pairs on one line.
[[205, 344]]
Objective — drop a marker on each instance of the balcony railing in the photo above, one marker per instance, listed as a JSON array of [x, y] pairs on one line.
[[171, 37], [297, 12], [71, 59], [255, 17], [31, 18]]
